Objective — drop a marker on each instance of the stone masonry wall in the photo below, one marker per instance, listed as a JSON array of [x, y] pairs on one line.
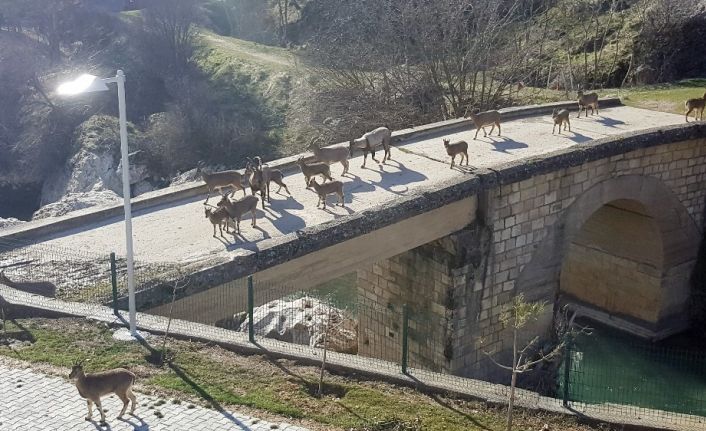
[[437, 282], [464, 281], [523, 213]]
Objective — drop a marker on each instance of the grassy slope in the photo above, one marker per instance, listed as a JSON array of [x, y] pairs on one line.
[[662, 97], [213, 376], [272, 73]]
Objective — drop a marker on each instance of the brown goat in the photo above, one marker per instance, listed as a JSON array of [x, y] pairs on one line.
[[92, 387], [482, 119], [220, 180], [382, 136], [218, 217], [456, 148], [237, 209], [697, 105], [311, 170], [326, 189], [560, 118], [586, 101], [260, 176]]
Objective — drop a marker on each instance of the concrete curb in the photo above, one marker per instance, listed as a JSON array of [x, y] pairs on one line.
[[39, 228]]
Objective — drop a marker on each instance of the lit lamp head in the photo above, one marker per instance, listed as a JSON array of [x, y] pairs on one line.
[[83, 84]]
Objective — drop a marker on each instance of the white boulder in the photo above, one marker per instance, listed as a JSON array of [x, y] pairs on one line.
[[304, 321], [77, 201]]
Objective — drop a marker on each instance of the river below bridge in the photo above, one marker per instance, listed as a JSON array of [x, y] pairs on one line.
[[610, 367]]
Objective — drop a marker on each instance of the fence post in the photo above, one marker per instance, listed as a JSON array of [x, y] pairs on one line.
[[114, 282], [405, 337], [567, 369], [251, 310]]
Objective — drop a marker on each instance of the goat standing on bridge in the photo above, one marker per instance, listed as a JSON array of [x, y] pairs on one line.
[[371, 140], [260, 176]]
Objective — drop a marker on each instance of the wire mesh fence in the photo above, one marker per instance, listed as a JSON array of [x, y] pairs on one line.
[[58, 272], [623, 376], [74, 275], [418, 343]]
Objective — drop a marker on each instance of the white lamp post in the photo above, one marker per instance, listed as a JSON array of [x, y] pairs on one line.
[[89, 84]]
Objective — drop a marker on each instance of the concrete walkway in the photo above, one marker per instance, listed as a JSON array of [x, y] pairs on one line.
[[36, 402]]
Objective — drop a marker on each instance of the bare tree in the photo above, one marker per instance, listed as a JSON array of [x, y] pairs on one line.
[[170, 27], [516, 316]]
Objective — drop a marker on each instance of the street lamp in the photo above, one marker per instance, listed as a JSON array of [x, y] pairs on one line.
[[90, 84]]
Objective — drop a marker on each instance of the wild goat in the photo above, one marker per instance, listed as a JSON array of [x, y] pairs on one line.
[[370, 141], [487, 118], [220, 180], [92, 386], [260, 176], [696, 105], [326, 189], [561, 117], [331, 155], [459, 147], [237, 209], [218, 217], [586, 101], [42, 288], [313, 169]]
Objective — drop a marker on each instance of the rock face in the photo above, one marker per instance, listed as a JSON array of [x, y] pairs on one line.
[[93, 176], [7, 222], [76, 201], [304, 321], [85, 172]]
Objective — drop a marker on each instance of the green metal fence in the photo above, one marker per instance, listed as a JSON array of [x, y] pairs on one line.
[[621, 373], [652, 378]]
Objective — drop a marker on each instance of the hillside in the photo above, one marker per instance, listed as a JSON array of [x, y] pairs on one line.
[[212, 98], [274, 74]]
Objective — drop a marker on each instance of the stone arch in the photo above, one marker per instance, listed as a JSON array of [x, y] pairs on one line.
[[669, 261]]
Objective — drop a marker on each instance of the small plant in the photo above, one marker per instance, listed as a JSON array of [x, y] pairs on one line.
[[177, 286], [524, 358]]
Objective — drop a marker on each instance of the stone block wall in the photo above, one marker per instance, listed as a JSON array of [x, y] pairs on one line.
[[466, 280]]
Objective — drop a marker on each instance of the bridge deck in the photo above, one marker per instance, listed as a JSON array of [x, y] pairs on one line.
[[179, 232]]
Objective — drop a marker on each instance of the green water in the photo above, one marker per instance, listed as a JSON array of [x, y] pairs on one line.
[[611, 367], [341, 292]]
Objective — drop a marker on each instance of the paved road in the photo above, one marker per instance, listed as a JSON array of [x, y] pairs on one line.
[[36, 402], [180, 233]]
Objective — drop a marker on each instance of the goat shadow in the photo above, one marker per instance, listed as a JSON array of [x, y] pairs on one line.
[[578, 138], [609, 122], [403, 177], [186, 377], [504, 145], [286, 221], [142, 426]]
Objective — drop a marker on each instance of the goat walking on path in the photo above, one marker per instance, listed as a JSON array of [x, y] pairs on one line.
[[220, 180], [93, 386], [586, 101], [455, 149], [370, 141], [483, 119], [331, 155], [326, 189], [697, 106], [560, 118], [260, 176]]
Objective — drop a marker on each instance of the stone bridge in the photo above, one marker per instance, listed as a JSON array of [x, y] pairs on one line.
[[608, 218]]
